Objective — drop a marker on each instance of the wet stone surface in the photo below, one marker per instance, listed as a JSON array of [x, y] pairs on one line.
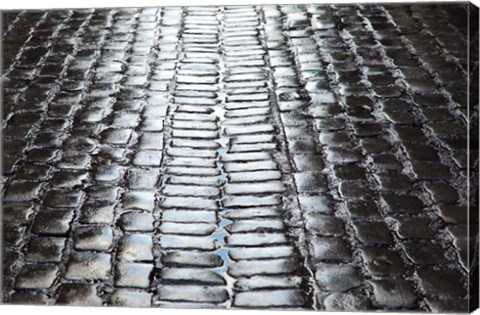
[[291, 157]]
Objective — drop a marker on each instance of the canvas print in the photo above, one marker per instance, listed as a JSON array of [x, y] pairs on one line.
[[301, 157]]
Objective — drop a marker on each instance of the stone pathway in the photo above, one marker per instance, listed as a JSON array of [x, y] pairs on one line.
[[300, 157]]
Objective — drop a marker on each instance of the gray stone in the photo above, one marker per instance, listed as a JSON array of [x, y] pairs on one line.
[[394, 293], [337, 277]]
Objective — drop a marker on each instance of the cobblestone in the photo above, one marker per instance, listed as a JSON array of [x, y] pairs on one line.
[[92, 238], [55, 222], [78, 294], [133, 275], [128, 298], [192, 293], [135, 247], [45, 249], [88, 265], [425, 253], [374, 232], [290, 156], [337, 277], [36, 277], [394, 293]]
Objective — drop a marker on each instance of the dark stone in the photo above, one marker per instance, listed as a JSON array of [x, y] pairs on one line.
[[394, 293], [372, 232], [381, 261], [365, 209], [444, 283], [18, 191], [397, 204], [36, 277], [78, 294], [452, 214], [420, 152], [430, 171], [311, 182], [326, 225], [45, 249], [386, 162], [56, 222], [355, 189], [425, 253], [415, 227], [448, 305], [442, 193], [393, 182]]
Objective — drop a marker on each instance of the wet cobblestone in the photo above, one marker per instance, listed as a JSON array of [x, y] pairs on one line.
[[290, 156]]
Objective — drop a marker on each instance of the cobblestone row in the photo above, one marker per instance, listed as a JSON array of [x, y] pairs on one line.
[[265, 231], [324, 229], [454, 220], [31, 193], [189, 230], [294, 156]]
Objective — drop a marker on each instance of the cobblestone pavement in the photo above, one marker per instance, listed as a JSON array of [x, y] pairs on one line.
[[301, 157]]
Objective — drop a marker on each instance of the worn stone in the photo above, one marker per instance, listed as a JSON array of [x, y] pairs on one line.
[[430, 171], [310, 182], [55, 222], [266, 267], [136, 221], [337, 277], [362, 209], [397, 204], [441, 192], [192, 293], [415, 227], [135, 247], [394, 293], [425, 253], [92, 238], [338, 301], [18, 212], [454, 214], [355, 189], [36, 277], [441, 282], [19, 191], [275, 298], [78, 294], [326, 225], [331, 249], [200, 276], [143, 200], [88, 266], [148, 158], [187, 258], [133, 275], [45, 249], [127, 298], [372, 232], [381, 261]]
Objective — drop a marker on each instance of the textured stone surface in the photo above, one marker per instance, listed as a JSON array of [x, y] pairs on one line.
[[292, 156]]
